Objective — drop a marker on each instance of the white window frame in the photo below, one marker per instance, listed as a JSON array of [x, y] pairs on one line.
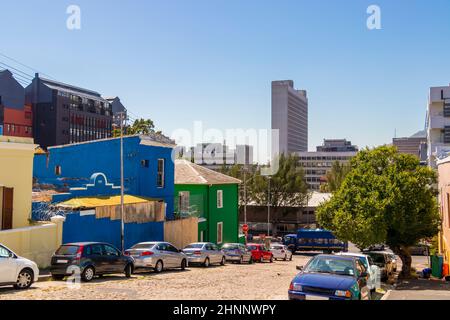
[[183, 198], [162, 173], [219, 226], [219, 199]]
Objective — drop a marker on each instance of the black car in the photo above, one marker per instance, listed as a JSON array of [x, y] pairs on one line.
[[89, 259]]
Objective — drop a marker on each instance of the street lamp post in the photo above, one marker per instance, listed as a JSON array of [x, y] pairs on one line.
[[122, 222], [268, 207]]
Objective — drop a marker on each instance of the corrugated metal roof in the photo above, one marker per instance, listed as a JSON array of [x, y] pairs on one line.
[[187, 172], [93, 202]]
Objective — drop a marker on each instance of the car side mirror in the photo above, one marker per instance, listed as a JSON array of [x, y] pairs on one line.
[[299, 268]]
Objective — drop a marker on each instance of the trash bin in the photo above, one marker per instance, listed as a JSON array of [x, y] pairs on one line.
[[437, 263], [445, 270]]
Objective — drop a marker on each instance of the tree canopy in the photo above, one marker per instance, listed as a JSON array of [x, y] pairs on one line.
[[386, 197]]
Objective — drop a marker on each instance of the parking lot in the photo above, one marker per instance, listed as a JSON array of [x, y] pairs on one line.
[[259, 281]]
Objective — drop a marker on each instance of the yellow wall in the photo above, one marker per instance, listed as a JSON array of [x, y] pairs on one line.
[[35, 243], [181, 232], [444, 197], [16, 171]]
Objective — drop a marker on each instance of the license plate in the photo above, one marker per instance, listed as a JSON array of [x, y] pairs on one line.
[[311, 297], [62, 261]]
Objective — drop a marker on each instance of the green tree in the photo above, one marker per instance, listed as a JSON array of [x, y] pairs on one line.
[[386, 197], [139, 126], [335, 177]]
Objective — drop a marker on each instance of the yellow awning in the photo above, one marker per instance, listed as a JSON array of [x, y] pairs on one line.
[[93, 202]]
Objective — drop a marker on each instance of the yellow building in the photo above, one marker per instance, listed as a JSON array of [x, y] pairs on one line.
[[444, 199], [16, 181]]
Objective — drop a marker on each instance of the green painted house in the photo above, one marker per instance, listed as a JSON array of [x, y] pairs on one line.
[[212, 197]]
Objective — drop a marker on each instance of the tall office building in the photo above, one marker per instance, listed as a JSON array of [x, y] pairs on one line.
[[290, 116], [438, 124], [413, 145]]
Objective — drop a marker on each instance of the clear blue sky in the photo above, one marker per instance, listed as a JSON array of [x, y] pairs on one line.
[[179, 61]]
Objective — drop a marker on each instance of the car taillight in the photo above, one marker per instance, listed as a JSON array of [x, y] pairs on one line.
[[126, 253], [146, 253], [197, 253], [291, 287], [79, 253]]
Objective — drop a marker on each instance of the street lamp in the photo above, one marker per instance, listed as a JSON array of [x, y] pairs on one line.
[[122, 221]]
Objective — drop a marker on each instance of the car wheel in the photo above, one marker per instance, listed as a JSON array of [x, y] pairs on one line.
[[250, 261], [261, 260], [128, 270], [271, 259], [222, 262], [241, 260], [290, 259], [88, 274], [57, 277], [285, 257], [183, 264], [206, 263], [159, 266], [24, 279]]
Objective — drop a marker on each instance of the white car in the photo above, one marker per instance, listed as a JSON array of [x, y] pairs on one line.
[[374, 271], [281, 252], [15, 270]]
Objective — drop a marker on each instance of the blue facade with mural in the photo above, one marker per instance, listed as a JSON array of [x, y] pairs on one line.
[[71, 166]]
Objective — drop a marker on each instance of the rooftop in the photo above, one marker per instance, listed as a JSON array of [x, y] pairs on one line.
[[187, 172]]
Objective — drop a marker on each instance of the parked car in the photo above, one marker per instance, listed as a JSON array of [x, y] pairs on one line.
[[204, 253], [90, 259], [237, 252], [383, 261], [16, 271], [281, 252], [376, 247], [372, 269], [157, 256], [260, 253], [331, 277], [419, 250]]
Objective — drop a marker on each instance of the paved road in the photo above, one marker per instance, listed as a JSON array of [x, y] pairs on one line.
[[235, 282]]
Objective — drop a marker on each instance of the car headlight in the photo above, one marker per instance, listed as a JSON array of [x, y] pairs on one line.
[[342, 293]]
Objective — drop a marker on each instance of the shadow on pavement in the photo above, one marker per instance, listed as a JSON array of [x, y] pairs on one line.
[[423, 284]]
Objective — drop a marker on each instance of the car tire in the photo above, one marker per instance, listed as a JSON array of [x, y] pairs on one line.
[[241, 260], [250, 261], [222, 262], [206, 264], [261, 260], [159, 266], [183, 264], [57, 277], [24, 279], [128, 270], [88, 274], [271, 259], [290, 259], [285, 257]]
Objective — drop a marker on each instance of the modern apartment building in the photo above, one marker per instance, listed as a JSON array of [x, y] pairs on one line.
[[65, 114], [290, 116], [438, 124], [317, 164], [16, 118], [414, 145]]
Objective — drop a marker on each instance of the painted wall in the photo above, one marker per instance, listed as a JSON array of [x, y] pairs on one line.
[[444, 199], [35, 243], [229, 214], [79, 161], [181, 232], [80, 227], [16, 169]]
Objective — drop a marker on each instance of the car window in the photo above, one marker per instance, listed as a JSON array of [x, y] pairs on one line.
[[360, 267], [143, 246], [67, 250], [370, 260], [4, 253], [162, 247], [194, 246], [230, 246], [252, 247], [215, 247], [110, 251], [363, 260], [96, 250], [171, 248], [377, 257], [331, 265]]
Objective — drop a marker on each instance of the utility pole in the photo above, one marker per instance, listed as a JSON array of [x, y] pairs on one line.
[[268, 207], [122, 222], [245, 195]]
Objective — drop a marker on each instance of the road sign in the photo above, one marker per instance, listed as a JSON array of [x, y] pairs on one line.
[[245, 228]]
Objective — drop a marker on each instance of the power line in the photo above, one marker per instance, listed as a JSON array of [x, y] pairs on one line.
[[24, 65], [25, 75]]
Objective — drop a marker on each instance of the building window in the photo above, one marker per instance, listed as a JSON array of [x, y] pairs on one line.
[[183, 201], [219, 232], [446, 134], [58, 170], [160, 175], [145, 163], [219, 199]]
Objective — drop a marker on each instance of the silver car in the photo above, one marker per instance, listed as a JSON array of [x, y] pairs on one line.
[[204, 253], [281, 252], [158, 256], [237, 252]]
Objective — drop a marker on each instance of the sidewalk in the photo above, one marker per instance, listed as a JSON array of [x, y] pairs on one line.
[[421, 289]]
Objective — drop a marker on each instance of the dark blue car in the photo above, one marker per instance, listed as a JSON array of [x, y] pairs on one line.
[[329, 277]]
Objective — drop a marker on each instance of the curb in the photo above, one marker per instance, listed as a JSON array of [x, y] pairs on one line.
[[386, 295], [43, 278]]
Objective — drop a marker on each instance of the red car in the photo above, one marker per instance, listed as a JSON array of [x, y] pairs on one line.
[[259, 252]]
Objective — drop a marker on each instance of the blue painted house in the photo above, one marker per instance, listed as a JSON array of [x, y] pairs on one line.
[[148, 166]]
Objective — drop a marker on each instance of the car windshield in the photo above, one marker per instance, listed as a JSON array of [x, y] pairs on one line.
[[331, 265], [194, 246], [67, 250], [143, 246], [230, 246], [277, 247]]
